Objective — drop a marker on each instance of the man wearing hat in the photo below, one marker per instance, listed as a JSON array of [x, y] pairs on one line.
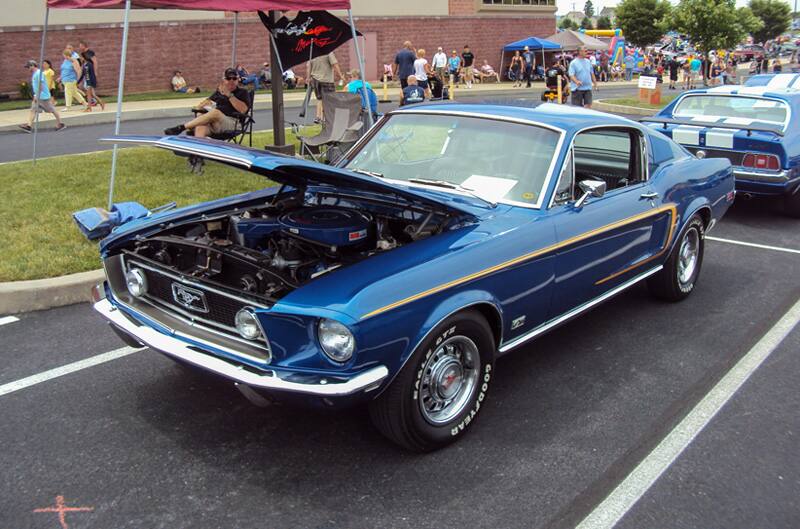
[[530, 61], [220, 109], [41, 98]]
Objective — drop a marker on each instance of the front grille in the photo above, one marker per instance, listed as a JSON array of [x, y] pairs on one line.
[[735, 157], [221, 309]]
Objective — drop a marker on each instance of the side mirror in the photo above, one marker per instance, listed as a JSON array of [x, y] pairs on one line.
[[590, 188], [700, 154]]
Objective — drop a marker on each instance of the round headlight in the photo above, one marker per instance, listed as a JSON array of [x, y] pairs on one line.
[[336, 340], [247, 324], [136, 282]]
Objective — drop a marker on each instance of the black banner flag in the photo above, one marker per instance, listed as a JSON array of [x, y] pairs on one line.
[[309, 35]]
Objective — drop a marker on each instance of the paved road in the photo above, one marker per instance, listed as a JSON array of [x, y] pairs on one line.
[[143, 443], [18, 146]]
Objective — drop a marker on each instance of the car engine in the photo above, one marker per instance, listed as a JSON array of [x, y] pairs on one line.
[[266, 252]]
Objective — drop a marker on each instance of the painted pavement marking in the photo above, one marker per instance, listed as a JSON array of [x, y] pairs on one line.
[[754, 245], [622, 499], [62, 510], [66, 370], [8, 319]]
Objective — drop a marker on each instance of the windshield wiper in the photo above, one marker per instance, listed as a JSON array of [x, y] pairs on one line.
[[451, 185], [368, 173]]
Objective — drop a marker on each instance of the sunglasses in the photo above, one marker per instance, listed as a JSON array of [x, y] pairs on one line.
[[231, 78]]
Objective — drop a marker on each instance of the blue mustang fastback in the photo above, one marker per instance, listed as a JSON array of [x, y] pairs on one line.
[[447, 236], [755, 126]]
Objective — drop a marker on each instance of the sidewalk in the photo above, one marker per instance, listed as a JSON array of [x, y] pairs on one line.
[[171, 108]]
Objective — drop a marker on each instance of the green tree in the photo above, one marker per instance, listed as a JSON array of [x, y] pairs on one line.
[[643, 22], [567, 23], [603, 22], [713, 24], [586, 23], [774, 14], [588, 8]]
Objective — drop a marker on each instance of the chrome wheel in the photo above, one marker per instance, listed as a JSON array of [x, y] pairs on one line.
[[449, 377], [688, 256]]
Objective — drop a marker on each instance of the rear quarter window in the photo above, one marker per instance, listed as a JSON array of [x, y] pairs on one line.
[[665, 149]]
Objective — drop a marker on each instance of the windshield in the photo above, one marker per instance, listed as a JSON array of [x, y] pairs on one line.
[[737, 110], [496, 160]]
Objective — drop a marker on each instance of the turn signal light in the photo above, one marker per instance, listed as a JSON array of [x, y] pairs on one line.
[[768, 162]]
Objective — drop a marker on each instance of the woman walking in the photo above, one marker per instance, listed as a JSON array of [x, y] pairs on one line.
[[89, 77], [516, 68], [70, 69]]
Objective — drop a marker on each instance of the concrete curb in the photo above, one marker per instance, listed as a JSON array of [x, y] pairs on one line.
[[40, 294], [621, 109]]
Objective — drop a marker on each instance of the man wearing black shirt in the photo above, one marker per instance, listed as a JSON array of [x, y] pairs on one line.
[[467, 59], [221, 109]]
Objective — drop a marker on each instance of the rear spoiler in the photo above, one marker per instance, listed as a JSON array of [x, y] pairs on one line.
[[748, 128]]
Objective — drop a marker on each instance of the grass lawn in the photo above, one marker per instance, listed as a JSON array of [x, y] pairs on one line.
[[634, 102], [41, 239], [17, 104]]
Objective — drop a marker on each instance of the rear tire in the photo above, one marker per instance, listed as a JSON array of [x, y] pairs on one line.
[[791, 204], [677, 279], [437, 395]]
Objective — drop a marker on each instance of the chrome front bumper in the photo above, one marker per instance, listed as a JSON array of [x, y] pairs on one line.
[[267, 380]]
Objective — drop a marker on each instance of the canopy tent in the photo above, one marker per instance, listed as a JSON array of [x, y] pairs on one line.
[[235, 6], [533, 44], [570, 40]]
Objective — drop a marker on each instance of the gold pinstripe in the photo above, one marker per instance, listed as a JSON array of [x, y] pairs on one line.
[[538, 253]]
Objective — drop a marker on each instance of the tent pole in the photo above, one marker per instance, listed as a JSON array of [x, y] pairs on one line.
[[500, 69], [41, 79], [120, 89], [360, 60], [278, 128], [235, 31]]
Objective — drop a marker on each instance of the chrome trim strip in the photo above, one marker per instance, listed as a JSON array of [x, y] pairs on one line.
[[270, 380], [782, 176], [576, 311]]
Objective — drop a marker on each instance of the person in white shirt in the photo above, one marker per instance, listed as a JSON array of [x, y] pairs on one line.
[[421, 71], [439, 63]]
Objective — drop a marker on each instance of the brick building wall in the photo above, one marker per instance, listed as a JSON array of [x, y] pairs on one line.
[[203, 49]]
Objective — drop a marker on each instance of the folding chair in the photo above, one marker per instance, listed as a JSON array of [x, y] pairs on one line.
[[341, 126], [244, 127]]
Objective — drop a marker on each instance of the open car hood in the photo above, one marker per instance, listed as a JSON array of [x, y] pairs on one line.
[[297, 172]]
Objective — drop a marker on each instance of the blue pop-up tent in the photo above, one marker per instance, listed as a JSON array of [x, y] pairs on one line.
[[533, 44]]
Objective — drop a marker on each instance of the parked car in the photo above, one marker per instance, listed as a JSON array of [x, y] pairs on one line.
[[748, 52], [450, 235], [756, 127]]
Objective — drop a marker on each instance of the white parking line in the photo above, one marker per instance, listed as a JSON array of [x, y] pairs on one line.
[[66, 370], [754, 245], [8, 319], [635, 485]]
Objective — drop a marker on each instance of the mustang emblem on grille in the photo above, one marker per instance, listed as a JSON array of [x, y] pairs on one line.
[[189, 297]]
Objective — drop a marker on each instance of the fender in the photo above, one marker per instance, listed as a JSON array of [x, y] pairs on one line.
[[456, 302], [699, 205]]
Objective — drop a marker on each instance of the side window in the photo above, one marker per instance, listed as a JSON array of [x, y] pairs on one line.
[[613, 155], [566, 184]]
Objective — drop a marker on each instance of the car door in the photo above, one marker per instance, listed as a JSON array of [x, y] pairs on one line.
[[606, 240]]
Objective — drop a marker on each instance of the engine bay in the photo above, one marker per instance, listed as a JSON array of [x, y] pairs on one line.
[[268, 250]]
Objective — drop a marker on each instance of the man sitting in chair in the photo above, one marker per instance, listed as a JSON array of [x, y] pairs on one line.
[[487, 72], [220, 109]]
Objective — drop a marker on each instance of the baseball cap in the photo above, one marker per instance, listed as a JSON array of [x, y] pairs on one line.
[[30, 63], [231, 72]]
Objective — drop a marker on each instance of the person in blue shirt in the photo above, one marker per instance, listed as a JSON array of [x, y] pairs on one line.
[[41, 98], [454, 65], [630, 64], [581, 75], [412, 93], [404, 63], [530, 62], [70, 70]]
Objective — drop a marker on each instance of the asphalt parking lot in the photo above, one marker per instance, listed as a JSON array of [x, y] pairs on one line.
[[138, 442]]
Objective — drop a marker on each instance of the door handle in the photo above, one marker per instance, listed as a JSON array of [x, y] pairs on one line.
[[652, 195]]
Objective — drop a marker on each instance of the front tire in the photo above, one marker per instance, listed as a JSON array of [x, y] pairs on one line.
[[437, 395], [678, 277]]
